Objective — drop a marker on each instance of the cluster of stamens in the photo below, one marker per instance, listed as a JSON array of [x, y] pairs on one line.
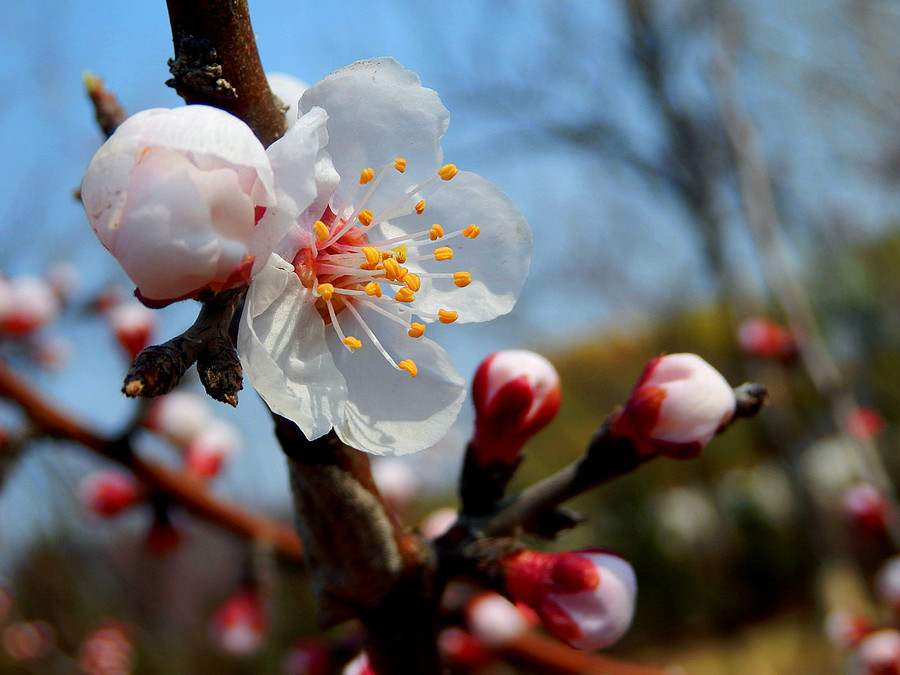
[[344, 268]]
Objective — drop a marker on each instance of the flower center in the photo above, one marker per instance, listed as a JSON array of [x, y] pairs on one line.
[[347, 270]]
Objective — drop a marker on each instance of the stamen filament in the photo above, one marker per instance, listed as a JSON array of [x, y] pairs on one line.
[[371, 335]]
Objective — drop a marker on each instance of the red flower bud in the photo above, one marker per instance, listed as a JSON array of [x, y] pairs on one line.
[[239, 624], [864, 423], [585, 598], [133, 325], [866, 507], [516, 393], [109, 492], [677, 406], [878, 653], [761, 337]]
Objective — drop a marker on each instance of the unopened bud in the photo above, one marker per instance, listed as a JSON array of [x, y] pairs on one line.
[[133, 325], [109, 492], [239, 625], [866, 508], [307, 656], [180, 198], [494, 620], [761, 337], [878, 654], [677, 406], [845, 628], [26, 303], [210, 448], [887, 583], [585, 598], [864, 423], [516, 394], [359, 666], [180, 416], [463, 650]]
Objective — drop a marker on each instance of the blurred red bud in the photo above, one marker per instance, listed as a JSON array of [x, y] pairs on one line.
[[238, 626], [864, 423], [109, 492], [133, 325], [866, 508], [761, 337]]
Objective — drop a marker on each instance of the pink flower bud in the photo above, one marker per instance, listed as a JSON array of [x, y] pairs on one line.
[[677, 406], [437, 522], [761, 337], [308, 656], [109, 492], [494, 620], [26, 303], [178, 197], [359, 666], [887, 583], [516, 394], [463, 650], [866, 507], [845, 628], [864, 423], [63, 278], [133, 324], [106, 650], [207, 451], [180, 416], [585, 598], [878, 653], [239, 624]]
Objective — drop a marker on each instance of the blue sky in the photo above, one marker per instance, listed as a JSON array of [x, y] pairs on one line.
[[607, 242]]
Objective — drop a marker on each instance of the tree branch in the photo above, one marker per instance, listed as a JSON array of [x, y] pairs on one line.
[[186, 490], [216, 63]]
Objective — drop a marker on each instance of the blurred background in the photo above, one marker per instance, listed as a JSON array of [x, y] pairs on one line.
[[715, 177]]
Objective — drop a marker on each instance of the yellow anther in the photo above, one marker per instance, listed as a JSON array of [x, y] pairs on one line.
[[443, 253], [447, 171], [471, 231], [420, 207], [373, 288], [436, 232], [405, 294], [416, 330], [321, 230], [326, 291], [365, 217], [409, 367], [412, 281], [400, 253], [372, 254], [446, 316], [352, 342], [462, 279], [386, 254], [400, 164], [392, 269], [366, 176]]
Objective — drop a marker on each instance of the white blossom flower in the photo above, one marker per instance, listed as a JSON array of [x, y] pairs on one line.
[[179, 197], [383, 243]]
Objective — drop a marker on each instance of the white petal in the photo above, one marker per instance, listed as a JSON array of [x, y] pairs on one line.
[[295, 158], [282, 346], [498, 259], [377, 112], [389, 412]]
